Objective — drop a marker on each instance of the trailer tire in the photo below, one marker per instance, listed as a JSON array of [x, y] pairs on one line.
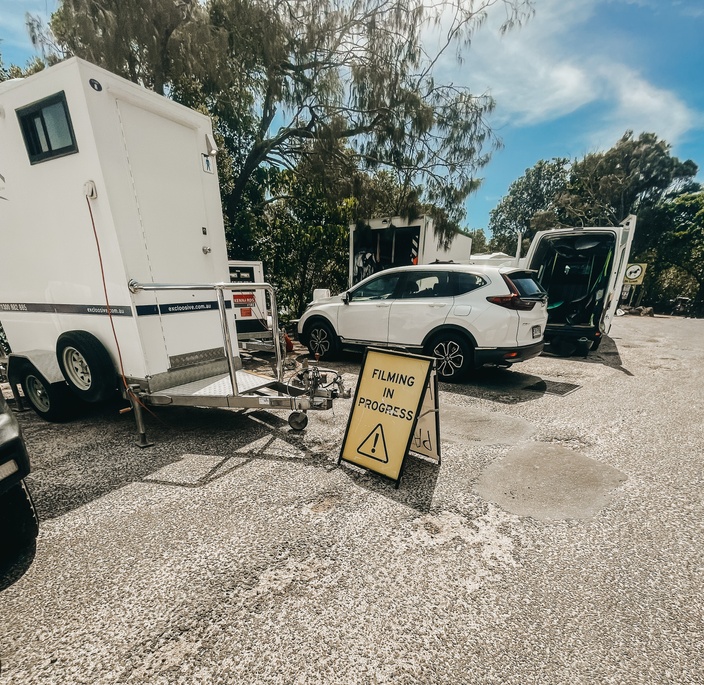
[[86, 366], [52, 402]]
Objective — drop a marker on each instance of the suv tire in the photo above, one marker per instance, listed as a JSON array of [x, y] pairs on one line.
[[321, 339], [453, 354], [19, 519]]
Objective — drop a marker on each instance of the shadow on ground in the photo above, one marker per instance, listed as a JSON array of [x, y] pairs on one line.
[[607, 354], [15, 563], [75, 463]]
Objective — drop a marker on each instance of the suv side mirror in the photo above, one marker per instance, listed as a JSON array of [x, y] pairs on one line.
[[346, 297]]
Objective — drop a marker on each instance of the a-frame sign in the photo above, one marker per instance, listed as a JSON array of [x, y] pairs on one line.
[[394, 411]]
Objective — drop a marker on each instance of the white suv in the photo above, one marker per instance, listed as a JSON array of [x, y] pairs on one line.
[[464, 315]]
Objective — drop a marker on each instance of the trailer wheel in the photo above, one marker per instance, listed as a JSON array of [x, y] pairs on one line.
[[298, 420], [86, 366], [51, 401], [17, 509]]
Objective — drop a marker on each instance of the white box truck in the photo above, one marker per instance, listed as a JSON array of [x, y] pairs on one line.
[[379, 244], [582, 270], [113, 261]]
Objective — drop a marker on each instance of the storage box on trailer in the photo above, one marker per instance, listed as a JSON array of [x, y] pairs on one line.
[[251, 314]]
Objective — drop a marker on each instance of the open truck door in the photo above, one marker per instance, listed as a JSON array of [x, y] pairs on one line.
[[582, 270]]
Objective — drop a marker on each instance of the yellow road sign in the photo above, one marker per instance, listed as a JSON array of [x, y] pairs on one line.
[[426, 436], [385, 409], [635, 273]]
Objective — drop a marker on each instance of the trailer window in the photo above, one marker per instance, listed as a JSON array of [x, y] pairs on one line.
[[46, 128]]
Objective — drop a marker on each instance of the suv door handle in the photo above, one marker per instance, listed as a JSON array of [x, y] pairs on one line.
[[384, 304]]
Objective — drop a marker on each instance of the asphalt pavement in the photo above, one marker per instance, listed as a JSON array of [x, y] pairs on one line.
[[560, 540]]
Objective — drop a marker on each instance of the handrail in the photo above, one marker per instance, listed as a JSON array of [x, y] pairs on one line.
[[135, 287]]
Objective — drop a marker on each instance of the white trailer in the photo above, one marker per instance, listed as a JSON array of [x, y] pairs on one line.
[[395, 241], [113, 267]]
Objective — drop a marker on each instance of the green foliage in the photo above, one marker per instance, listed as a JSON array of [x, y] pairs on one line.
[[155, 43], [633, 176], [14, 71], [530, 205], [682, 245], [304, 243], [279, 77], [480, 244]]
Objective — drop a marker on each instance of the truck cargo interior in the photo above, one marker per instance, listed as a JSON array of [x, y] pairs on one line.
[[575, 271]]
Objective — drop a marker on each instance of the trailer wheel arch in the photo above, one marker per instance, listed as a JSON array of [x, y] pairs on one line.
[[86, 366]]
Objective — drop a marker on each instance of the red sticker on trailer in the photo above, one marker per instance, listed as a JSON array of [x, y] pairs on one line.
[[244, 299], [246, 311]]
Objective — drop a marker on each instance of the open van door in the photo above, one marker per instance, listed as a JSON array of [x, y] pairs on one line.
[[582, 270]]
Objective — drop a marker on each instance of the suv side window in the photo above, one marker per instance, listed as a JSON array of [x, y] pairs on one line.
[[422, 284], [380, 288], [465, 282]]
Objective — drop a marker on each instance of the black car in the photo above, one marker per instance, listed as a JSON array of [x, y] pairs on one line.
[[18, 519]]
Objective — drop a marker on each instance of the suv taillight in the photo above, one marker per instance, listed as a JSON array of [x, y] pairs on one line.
[[512, 301]]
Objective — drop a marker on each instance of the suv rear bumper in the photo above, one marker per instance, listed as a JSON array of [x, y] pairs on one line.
[[571, 332], [507, 355]]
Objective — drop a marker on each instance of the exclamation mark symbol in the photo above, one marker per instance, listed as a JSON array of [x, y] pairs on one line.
[[376, 439]]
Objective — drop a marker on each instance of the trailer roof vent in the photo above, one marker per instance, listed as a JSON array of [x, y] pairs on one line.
[[47, 130]]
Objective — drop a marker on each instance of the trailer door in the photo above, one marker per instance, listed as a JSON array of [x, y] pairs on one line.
[[180, 233]]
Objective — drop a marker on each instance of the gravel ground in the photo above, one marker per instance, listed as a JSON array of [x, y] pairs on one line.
[[558, 542]]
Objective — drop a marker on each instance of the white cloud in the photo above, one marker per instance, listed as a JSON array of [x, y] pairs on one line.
[[640, 106], [553, 67]]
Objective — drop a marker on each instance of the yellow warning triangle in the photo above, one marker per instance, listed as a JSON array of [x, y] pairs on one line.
[[374, 445]]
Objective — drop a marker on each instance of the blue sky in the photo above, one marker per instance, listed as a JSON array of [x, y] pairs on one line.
[[569, 82]]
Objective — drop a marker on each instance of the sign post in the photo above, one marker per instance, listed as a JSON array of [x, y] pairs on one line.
[[392, 394]]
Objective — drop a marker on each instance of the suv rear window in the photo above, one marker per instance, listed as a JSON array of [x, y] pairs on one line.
[[526, 284]]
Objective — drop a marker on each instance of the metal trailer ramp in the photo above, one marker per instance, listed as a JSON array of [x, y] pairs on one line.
[[217, 386], [238, 389]]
